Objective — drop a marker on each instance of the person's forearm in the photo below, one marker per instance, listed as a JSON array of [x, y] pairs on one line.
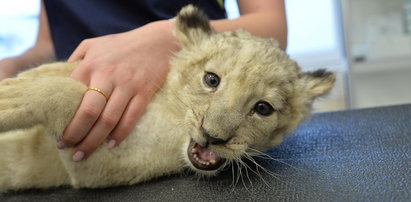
[[268, 25], [41, 52], [32, 57], [38, 54]]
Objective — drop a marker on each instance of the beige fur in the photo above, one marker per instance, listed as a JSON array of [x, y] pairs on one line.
[[36, 106]]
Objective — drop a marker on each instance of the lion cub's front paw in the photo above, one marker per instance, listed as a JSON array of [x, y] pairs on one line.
[[47, 100], [16, 104]]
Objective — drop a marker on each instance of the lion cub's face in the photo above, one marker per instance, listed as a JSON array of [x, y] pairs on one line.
[[243, 92]]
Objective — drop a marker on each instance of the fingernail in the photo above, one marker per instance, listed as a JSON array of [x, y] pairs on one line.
[[111, 144], [61, 145], [78, 156]]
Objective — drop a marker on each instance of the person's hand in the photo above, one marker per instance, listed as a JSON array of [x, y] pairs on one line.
[[128, 68]]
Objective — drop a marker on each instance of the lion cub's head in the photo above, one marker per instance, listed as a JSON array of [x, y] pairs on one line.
[[244, 94]]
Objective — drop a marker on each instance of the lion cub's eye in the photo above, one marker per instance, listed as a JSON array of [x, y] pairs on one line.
[[211, 80], [263, 108]]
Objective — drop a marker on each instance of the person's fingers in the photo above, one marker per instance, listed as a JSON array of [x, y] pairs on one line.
[[129, 120], [82, 73], [104, 125], [80, 51], [87, 114]]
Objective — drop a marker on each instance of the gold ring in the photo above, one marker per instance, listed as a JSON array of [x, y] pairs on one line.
[[99, 91]]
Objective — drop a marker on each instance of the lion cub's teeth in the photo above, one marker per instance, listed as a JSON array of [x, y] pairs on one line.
[[206, 163], [193, 150]]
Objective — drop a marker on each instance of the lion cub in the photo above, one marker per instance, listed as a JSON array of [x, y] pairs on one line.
[[227, 95]]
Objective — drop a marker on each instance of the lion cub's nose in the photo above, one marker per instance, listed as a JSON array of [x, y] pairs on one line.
[[210, 138]]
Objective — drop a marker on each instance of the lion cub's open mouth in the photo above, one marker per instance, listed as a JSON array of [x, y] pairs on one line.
[[203, 158]]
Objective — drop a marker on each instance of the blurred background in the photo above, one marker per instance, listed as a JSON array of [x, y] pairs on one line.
[[366, 42]]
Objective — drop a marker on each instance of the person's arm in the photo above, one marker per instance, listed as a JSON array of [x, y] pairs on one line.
[[264, 18], [41, 52], [131, 74]]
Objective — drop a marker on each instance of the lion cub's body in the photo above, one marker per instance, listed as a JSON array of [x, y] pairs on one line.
[[261, 96]]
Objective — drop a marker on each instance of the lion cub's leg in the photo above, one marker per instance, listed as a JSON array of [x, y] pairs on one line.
[[44, 97]]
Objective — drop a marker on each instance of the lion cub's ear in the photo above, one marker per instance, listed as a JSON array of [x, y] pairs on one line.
[[192, 26], [309, 86], [317, 83]]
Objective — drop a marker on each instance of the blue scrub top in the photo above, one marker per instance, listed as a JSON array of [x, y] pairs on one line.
[[72, 21]]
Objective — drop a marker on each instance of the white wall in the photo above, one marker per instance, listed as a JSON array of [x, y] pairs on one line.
[[12, 8], [312, 26], [18, 25]]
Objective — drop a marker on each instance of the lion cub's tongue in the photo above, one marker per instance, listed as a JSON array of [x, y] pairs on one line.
[[206, 154]]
